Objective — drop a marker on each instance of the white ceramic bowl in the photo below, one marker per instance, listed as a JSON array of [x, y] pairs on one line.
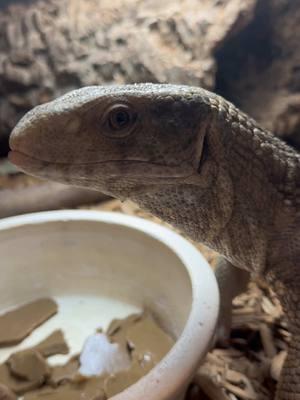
[[101, 265]]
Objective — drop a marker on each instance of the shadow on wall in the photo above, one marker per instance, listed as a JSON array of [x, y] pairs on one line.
[[5, 3], [250, 48], [258, 69]]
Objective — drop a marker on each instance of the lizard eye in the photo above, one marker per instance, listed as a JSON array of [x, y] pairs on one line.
[[119, 120]]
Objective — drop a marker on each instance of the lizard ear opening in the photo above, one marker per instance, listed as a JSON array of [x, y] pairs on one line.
[[119, 121], [203, 155]]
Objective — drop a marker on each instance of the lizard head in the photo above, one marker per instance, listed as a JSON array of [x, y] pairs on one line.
[[116, 139]]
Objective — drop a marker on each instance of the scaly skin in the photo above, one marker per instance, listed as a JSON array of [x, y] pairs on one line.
[[193, 159]]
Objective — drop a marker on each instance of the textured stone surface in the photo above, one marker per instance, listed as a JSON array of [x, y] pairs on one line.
[[50, 47], [247, 50]]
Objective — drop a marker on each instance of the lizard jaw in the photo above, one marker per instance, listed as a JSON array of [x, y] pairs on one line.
[[24, 162], [135, 169]]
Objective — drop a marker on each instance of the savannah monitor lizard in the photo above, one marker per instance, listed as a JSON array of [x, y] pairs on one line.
[[194, 160]]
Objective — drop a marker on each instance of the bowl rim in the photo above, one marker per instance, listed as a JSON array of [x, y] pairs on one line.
[[175, 370]]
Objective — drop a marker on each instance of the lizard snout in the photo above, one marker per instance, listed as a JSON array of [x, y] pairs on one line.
[[43, 135], [24, 136], [28, 140]]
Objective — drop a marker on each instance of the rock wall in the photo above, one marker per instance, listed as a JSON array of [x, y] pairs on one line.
[[236, 47]]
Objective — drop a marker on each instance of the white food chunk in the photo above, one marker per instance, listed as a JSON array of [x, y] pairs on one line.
[[99, 356]]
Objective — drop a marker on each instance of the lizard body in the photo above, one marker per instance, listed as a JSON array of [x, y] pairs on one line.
[[193, 159]]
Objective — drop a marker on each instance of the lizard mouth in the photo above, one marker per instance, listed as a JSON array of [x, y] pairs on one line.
[[109, 168], [23, 161]]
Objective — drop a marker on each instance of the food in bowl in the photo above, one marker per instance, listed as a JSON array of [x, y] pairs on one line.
[[107, 265], [108, 364]]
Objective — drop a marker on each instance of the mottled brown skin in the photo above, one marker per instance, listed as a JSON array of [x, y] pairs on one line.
[[193, 159]]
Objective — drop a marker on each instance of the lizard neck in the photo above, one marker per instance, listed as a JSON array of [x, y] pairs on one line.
[[263, 174], [235, 212]]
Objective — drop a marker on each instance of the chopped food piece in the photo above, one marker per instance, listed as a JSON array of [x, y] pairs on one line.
[[149, 344], [23, 363], [16, 385], [90, 389], [145, 337], [6, 393], [27, 369], [61, 393], [108, 364], [29, 365], [53, 344], [99, 356], [15, 325], [64, 373], [120, 381], [118, 328], [118, 324]]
